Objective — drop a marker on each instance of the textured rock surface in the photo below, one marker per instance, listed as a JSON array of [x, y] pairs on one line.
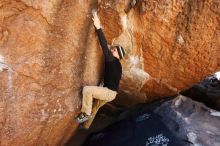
[[207, 91], [43, 66], [191, 121], [48, 51], [171, 46]]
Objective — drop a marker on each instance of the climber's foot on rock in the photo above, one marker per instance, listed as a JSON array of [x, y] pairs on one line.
[[82, 117]]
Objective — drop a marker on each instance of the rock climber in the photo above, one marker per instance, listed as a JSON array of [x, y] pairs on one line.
[[112, 75]]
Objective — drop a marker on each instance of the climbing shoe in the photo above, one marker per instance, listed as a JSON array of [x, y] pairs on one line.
[[82, 117]]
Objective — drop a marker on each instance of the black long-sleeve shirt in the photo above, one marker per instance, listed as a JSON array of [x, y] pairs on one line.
[[113, 69]]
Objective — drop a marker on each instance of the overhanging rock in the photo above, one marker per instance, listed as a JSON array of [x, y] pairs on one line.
[[49, 50]]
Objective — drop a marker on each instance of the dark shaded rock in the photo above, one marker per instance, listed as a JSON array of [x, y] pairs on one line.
[[145, 128], [207, 91], [191, 121]]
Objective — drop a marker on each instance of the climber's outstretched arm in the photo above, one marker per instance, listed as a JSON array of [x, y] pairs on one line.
[[102, 40]]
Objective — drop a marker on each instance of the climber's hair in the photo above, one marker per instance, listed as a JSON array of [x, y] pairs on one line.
[[120, 50]]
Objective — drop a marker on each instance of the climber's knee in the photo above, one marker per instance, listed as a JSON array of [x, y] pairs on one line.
[[86, 90]]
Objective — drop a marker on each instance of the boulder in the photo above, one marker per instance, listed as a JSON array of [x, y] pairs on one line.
[[49, 51], [191, 121], [171, 46], [207, 91]]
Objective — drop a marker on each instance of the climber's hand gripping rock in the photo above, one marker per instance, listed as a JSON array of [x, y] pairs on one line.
[[96, 20]]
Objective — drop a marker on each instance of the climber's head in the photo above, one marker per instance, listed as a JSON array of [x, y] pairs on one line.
[[117, 51]]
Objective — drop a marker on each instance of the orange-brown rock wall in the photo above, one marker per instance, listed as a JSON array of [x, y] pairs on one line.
[[49, 51], [171, 45]]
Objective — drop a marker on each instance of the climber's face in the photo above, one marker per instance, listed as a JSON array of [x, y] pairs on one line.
[[114, 52]]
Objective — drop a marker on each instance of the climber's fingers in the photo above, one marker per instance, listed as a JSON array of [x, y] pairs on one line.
[[96, 20], [95, 16], [94, 13]]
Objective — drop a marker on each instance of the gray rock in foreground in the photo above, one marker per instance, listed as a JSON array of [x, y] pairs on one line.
[[191, 121]]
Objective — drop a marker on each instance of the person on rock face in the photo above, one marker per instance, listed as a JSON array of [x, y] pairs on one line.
[[112, 75]]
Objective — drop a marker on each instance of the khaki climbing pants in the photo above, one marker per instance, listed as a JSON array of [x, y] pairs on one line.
[[95, 92]]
